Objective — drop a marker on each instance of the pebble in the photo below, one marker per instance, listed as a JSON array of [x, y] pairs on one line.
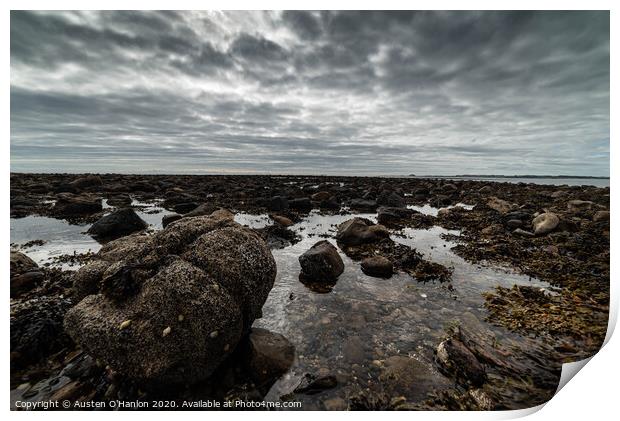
[[214, 334], [125, 324], [166, 331]]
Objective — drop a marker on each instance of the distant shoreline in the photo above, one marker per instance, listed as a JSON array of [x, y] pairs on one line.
[[555, 177]]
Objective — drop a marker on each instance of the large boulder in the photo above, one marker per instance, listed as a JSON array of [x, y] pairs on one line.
[[545, 223], [173, 305], [357, 231], [88, 181], [117, 224], [363, 205], [321, 262]]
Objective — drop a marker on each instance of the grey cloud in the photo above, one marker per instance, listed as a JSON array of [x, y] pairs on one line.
[[295, 91]]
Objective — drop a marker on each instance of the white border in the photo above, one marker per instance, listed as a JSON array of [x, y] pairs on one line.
[[593, 392]]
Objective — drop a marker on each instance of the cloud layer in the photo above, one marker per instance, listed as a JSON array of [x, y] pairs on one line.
[[357, 93]]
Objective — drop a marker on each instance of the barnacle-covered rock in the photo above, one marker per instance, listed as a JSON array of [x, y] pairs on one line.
[[176, 303]]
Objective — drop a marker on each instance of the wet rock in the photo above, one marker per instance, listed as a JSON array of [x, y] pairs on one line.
[[203, 280], [321, 196], [310, 385], [358, 231], [24, 273], [514, 223], [278, 203], [390, 198], [321, 262], [499, 205], [90, 180], [301, 204], [119, 200], [601, 216], [485, 189], [363, 205], [37, 328], [20, 263], [185, 207], [168, 219], [454, 357], [522, 233], [404, 373], [117, 224], [330, 203], [545, 223], [377, 266], [269, 355], [492, 229], [392, 215], [282, 220], [201, 210], [68, 204]]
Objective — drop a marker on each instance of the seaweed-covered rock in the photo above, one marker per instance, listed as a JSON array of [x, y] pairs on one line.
[[37, 328], [117, 224], [321, 262], [176, 303]]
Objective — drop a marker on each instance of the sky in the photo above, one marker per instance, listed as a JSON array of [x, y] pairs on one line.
[[296, 92]]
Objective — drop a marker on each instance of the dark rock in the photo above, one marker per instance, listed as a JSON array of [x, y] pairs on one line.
[[321, 262], [390, 198], [358, 231], [201, 210], [514, 223], [278, 203], [269, 356], [377, 266], [282, 220], [168, 219], [391, 215], [119, 200], [363, 205], [404, 373], [321, 196], [24, 274], [70, 205], [454, 357], [330, 203], [302, 204], [175, 304], [87, 181], [522, 233], [185, 207], [36, 328], [310, 385], [117, 224]]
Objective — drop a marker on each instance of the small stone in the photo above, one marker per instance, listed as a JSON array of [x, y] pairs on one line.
[[522, 233], [125, 324], [181, 317], [213, 334], [166, 331], [601, 216]]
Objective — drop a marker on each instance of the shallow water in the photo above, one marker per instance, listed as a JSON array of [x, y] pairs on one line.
[[362, 320], [60, 237]]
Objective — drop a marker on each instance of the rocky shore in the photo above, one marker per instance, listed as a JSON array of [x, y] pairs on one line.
[[174, 313]]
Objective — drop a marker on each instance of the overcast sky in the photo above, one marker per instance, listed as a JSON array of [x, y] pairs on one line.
[[310, 92]]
